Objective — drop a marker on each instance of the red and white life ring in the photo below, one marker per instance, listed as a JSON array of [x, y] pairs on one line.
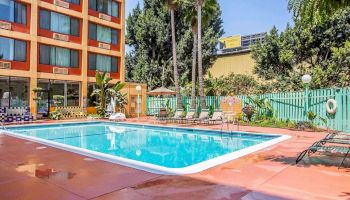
[[332, 110]]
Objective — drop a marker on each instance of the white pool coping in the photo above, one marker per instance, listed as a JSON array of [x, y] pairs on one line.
[[151, 167]]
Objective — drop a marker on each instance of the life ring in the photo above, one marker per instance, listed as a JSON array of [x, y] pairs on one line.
[[328, 106]]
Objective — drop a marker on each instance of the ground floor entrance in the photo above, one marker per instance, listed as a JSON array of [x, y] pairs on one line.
[[70, 91], [37, 95]]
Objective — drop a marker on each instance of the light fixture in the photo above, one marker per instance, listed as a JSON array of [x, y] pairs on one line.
[[138, 88], [306, 79]]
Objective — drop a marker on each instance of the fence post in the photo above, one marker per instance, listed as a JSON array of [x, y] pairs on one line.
[[338, 115]]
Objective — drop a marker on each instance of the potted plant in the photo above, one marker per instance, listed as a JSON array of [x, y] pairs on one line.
[[36, 98], [58, 101], [249, 111]]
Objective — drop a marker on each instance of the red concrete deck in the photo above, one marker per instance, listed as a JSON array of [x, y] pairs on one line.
[[30, 171]]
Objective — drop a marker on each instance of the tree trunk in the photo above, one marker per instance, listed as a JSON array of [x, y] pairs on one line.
[[200, 67], [194, 64], [176, 73]]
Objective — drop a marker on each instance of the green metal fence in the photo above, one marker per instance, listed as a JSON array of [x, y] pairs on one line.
[[292, 105]]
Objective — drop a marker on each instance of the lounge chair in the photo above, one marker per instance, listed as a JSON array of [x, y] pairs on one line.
[[190, 115], [203, 116], [321, 147], [218, 116], [163, 114], [177, 116], [338, 135]]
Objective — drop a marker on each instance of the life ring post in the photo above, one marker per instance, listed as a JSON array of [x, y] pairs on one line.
[[331, 106]]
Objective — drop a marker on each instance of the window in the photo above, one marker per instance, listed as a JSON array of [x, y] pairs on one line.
[[91, 99], [109, 7], [114, 38], [13, 11], [73, 1], [74, 27], [19, 91], [58, 56], [20, 14], [14, 91], [103, 63], [13, 50], [73, 94], [20, 50], [59, 23], [69, 90], [45, 19], [92, 31], [103, 34]]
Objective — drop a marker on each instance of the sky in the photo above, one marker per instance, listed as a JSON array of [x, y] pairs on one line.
[[241, 17]]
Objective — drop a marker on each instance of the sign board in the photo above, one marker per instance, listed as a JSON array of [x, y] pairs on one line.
[[230, 42]]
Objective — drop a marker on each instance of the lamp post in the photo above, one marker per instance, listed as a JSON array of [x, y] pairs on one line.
[[138, 90], [306, 79]]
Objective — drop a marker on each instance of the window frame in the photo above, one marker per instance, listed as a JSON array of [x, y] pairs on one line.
[[12, 43], [94, 5], [95, 36], [51, 62], [47, 24], [13, 17], [95, 67]]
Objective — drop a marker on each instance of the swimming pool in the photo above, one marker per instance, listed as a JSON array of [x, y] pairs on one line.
[[164, 150]]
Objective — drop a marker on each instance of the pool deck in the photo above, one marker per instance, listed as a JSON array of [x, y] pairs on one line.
[[33, 171]]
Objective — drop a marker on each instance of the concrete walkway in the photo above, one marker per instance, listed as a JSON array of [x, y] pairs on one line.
[[34, 171]]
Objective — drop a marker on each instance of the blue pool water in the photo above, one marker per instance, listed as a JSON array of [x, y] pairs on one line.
[[166, 147]]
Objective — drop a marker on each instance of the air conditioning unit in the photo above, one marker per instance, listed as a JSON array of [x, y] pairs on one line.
[[105, 17], [5, 65], [57, 70], [61, 3], [5, 25], [104, 46], [61, 37]]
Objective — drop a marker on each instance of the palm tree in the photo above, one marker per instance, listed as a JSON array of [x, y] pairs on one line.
[[315, 10], [191, 17], [104, 91], [172, 4], [200, 4]]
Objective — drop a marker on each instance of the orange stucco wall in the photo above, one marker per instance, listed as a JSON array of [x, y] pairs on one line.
[[35, 36]]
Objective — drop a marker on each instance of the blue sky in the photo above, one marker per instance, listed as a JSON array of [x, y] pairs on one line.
[[247, 16]]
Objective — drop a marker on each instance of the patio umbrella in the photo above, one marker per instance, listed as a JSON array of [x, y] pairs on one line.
[[161, 91]]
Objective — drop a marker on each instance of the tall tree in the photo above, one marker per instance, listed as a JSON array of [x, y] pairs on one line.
[[148, 36], [171, 4], [321, 50], [313, 11], [200, 59], [191, 18], [208, 13], [210, 4]]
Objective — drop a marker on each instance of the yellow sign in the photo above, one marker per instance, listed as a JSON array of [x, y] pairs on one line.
[[231, 42]]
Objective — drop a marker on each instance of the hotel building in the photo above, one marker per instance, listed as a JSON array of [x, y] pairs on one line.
[[58, 45], [234, 55]]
